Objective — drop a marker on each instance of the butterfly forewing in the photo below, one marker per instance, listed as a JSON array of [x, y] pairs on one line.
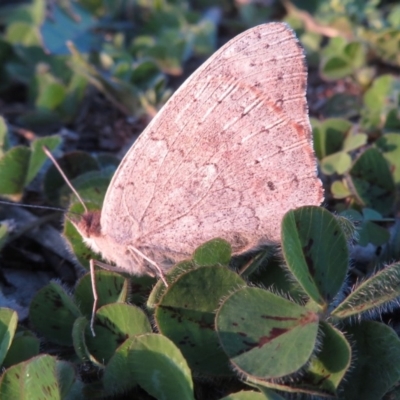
[[227, 156]]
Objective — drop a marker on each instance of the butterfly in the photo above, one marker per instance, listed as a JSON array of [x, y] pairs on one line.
[[227, 156]]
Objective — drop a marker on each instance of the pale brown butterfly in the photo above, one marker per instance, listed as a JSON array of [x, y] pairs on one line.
[[227, 156]]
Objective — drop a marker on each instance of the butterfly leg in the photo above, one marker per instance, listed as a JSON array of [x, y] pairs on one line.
[[107, 267], [94, 287], [160, 271], [95, 296]]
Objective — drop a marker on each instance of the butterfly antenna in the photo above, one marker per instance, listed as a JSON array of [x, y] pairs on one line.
[[53, 160], [10, 203]]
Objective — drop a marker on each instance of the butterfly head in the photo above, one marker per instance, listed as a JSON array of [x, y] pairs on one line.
[[88, 226]]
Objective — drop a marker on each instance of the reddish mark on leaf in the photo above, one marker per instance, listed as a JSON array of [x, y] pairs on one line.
[[305, 319], [277, 318], [275, 332], [308, 318], [235, 324], [242, 334]]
